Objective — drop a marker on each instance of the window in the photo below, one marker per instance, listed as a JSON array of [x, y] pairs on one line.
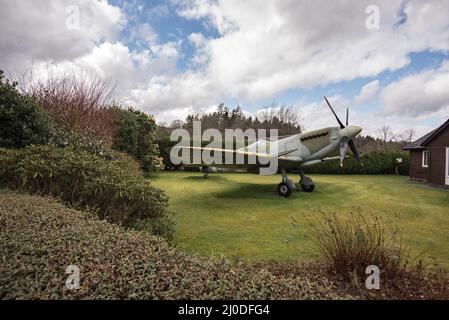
[[425, 159]]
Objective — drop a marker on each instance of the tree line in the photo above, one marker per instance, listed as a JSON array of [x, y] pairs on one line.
[[282, 118]]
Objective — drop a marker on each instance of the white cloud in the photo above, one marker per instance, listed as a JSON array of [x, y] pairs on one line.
[[201, 44], [260, 51], [33, 31], [264, 50], [422, 93], [318, 115], [31, 42], [160, 10], [367, 93], [144, 32]]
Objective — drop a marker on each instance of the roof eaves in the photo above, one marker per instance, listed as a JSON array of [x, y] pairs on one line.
[[434, 133]]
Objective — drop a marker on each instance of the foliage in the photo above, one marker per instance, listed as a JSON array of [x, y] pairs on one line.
[[368, 143], [165, 145], [23, 122], [375, 162], [41, 237], [349, 246], [136, 136], [284, 119], [79, 106], [116, 193]]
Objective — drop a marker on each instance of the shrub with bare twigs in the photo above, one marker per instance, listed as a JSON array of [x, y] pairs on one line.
[[350, 245], [79, 105]]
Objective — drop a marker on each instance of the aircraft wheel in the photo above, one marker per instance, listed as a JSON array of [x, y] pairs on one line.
[[285, 189], [307, 187]]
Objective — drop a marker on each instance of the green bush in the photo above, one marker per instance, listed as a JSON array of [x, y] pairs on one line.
[[165, 145], [23, 121], [41, 237], [116, 193], [136, 136], [375, 162]]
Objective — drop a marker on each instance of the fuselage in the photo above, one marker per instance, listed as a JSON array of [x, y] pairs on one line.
[[307, 146]]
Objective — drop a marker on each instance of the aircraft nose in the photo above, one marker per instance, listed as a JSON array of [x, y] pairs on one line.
[[351, 131], [356, 130]]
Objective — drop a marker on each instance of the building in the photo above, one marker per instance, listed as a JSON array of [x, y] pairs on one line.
[[429, 157]]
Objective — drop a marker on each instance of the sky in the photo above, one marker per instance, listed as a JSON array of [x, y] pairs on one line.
[[388, 61]]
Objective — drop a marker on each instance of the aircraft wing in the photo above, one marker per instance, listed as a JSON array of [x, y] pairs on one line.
[[285, 159], [310, 163], [243, 152]]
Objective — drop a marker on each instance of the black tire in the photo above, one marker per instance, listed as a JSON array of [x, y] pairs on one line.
[[284, 189], [307, 187]]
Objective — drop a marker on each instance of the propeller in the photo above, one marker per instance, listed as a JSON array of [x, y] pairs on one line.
[[338, 120], [355, 152], [345, 141], [343, 149]]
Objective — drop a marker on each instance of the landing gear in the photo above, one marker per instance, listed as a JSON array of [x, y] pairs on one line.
[[287, 186], [307, 188], [206, 171], [307, 184]]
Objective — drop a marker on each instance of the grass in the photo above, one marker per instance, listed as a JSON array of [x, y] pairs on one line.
[[241, 216]]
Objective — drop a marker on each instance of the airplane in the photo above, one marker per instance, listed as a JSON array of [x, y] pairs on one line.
[[297, 152]]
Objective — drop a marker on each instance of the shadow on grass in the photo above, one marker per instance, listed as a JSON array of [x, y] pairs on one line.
[[200, 177], [259, 191], [249, 191]]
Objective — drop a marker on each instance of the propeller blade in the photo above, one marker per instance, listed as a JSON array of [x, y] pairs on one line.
[[354, 150], [347, 116], [343, 149], [338, 120]]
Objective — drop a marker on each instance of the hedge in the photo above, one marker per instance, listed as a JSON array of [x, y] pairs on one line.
[[374, 162], [41, 237], [109, 187]]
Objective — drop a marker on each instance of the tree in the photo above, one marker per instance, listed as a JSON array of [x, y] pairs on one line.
[[385, 134], [283, 118], [176, 124], [407, 136], [23, 121], [136, 135]]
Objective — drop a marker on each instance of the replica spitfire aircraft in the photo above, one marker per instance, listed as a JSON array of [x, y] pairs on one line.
[[297, 152]]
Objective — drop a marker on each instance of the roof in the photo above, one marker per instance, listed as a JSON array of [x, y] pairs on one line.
[[422, 142]]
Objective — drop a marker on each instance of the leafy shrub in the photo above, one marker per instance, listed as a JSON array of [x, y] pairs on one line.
[[136, 136], [23, 121], [375, 162], [349, 246], [163, 226], [41, 237], [164, 143], [116, 193]]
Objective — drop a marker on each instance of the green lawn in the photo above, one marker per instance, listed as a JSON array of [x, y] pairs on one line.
[[242, 217]]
